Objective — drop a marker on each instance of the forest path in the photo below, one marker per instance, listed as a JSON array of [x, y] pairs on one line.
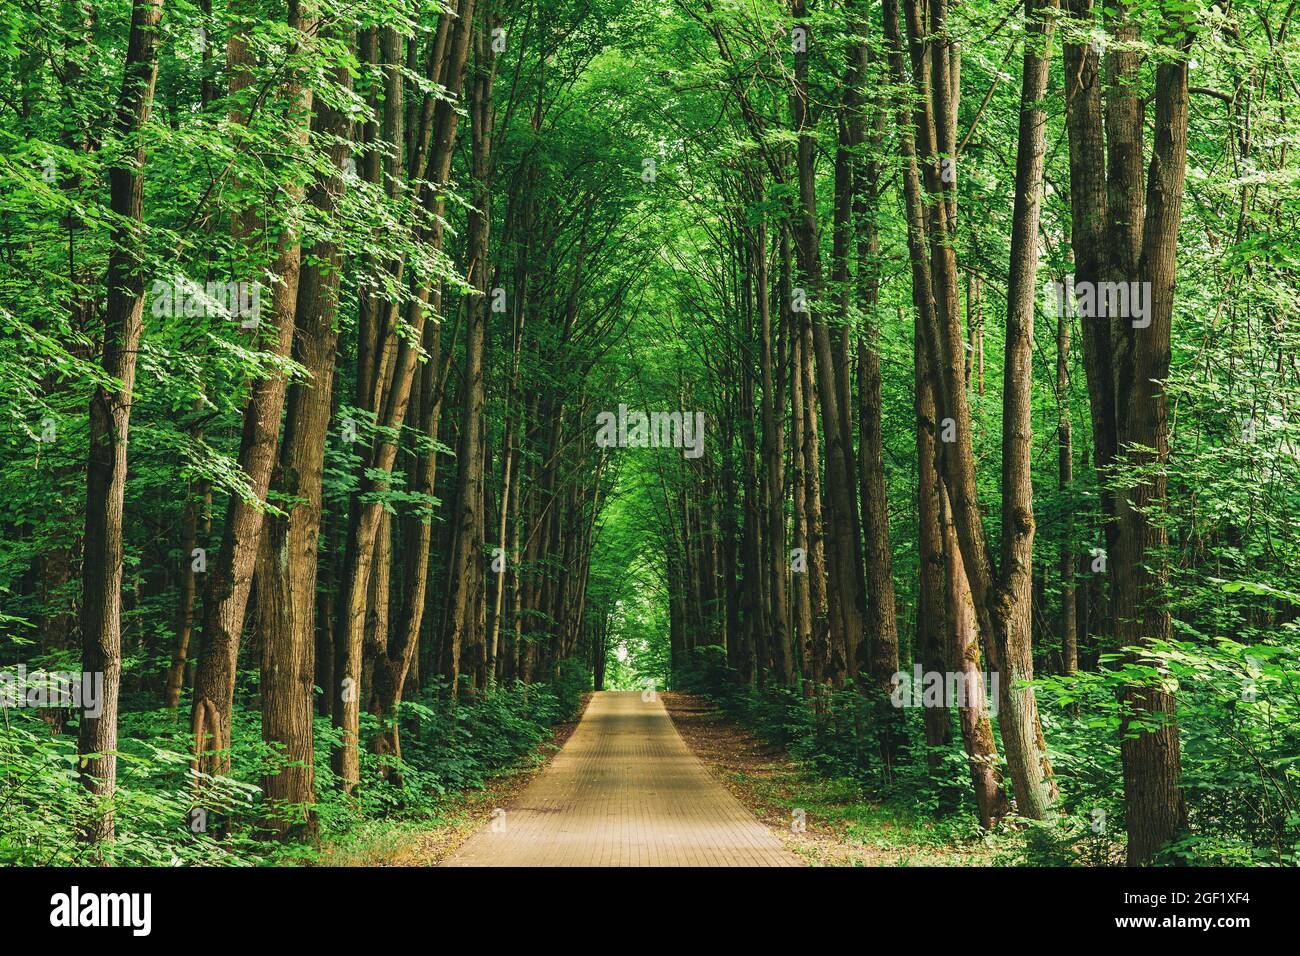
[[624, 791]]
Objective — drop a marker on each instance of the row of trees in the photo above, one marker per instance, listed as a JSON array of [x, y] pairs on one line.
[[853, 196], [426, 231]]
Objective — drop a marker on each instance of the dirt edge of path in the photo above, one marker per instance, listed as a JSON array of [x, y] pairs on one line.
[[773, 787], [429, 843], [752, 770]]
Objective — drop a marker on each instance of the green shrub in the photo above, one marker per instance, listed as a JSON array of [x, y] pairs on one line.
[[446, 747]]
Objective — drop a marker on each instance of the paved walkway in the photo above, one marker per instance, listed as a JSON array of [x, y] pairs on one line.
[[624, 791]]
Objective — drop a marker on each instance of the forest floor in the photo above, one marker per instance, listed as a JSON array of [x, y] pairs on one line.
[[841, 828], [428, 843]]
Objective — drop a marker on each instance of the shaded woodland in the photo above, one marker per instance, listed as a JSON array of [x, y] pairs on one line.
[[936, 339]]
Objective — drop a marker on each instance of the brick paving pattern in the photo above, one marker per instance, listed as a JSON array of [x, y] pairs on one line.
[[625, 791]]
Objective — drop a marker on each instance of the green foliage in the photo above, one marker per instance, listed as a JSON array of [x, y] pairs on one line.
[[1237, 717], [634, 295], [447, 747]]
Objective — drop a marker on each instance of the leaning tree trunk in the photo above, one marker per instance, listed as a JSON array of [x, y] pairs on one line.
[[1013, 602], [963, 653], [387, 370], [1002, 599]]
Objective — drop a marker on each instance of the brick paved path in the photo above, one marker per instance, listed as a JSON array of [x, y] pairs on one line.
[[625, 791]]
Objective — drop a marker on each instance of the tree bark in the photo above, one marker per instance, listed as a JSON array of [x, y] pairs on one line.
[[464, 639], [110, 417], [1155, 811], [933, 554], [1002, 599], [230, 575], [842, 552], [388, 397], [1013, 604]]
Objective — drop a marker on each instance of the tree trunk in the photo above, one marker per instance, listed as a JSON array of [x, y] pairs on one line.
[[1065, 479], [230, 576], [882, 619], [388, 397], [1013, 607], [1154, 807], [1002, 600], [964, 655], [933, 553], [110, 417], [464, 639], [842, 552]]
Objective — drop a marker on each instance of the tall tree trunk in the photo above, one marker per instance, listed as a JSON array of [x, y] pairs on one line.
[[1065, 480], [1121, 235], [800, 578], [110, 418], [465, 641], [1090, 233], [1002, 600], [388, 397], [842, 551], [397, 655], [1013, 604], [1155, 811], [774, 478], [964, 656], [882, 619], [933, 553], [230, 576], [287, 598], [804, 412]]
